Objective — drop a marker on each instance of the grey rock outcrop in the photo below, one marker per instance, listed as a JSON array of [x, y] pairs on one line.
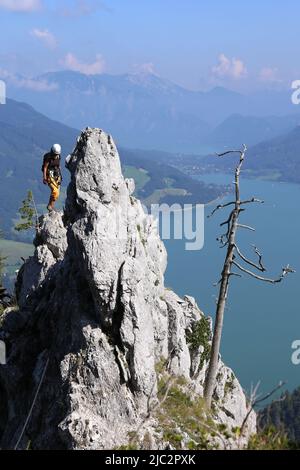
[[51, 245], [95, 319]]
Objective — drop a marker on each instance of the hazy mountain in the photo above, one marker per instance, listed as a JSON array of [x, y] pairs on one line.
[[238, 129], [277, 158], [147, 111], [281, 155], [25, 135], [139, 110]]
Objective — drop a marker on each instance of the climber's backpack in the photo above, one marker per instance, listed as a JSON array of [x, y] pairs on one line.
[[53, 161]]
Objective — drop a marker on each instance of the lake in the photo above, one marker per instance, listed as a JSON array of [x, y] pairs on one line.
[[262, 320]]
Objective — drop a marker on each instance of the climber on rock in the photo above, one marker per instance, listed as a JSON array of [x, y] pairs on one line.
[[52, 174]]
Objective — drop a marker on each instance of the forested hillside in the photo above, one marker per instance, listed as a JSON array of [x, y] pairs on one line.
[[284, 415]]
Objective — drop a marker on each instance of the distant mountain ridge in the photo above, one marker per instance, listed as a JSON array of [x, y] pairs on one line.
[[274, 159], [138, 110], [238, 129], [281, 154], [146, 111]]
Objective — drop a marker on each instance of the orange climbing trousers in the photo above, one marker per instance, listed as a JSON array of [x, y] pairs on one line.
[[54, 185]]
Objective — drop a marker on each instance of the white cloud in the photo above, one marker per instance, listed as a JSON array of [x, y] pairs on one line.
[[148, 68], [36, 84], [33, 84], [269, 74], [230, 68], [72, 63], [21, 5], [45, 36]]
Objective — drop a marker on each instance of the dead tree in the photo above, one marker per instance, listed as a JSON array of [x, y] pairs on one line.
[[234, 258]]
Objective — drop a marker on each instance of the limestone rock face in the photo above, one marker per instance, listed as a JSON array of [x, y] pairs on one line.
[[51, 245], [95, 320]]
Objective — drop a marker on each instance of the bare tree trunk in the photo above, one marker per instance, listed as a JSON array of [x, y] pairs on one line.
[[232, 222], [211, 375], [229, 239]]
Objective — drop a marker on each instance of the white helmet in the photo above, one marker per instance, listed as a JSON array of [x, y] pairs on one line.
[[56, 149]]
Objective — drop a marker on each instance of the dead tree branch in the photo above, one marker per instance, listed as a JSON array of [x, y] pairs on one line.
[[285, 271], [235, 274], [254, 199], [258, 266], [241, 152], [220, 206], [247, 227], [227, 222], [255, 400]]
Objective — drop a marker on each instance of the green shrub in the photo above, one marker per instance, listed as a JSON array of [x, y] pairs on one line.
[[200, 336], [229, 385]]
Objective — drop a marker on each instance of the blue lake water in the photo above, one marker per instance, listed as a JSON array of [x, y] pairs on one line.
[[262, 320]]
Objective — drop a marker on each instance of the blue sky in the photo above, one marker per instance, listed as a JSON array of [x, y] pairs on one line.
[[195, 43]]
